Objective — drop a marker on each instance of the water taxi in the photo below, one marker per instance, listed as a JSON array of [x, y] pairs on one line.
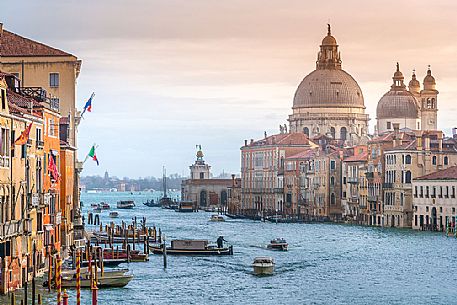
[[278, 244], [125, 204], [216, 218], [192, 247], [263, 265]]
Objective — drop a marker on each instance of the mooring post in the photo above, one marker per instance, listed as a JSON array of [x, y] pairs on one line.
[[164, 253]]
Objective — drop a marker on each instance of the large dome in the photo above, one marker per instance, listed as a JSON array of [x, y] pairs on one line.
[[397, 104], [328, 88]]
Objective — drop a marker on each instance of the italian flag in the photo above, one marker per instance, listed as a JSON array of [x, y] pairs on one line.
[[92, 154]]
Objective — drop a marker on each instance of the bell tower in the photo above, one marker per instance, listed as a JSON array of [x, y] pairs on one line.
[[429, 104]]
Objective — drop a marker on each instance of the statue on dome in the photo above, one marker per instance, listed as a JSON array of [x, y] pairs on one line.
[[199, 152]]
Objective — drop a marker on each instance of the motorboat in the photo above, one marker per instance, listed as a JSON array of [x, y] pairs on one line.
[[104, 206], [216, 218], [278, 244], [125, 204], [263, 265], [151, 203], [192, 247], [69, 273], [114, 214], [105, 281]]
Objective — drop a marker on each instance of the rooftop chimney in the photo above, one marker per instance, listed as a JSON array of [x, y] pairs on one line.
[[252, 141], [245, 142]]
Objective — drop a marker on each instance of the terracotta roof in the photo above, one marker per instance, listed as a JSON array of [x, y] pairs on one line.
[[449, 173], [14, 45], [357, 158], [307, 154], [21, 101]]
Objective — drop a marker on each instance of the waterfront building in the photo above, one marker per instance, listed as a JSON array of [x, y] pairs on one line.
[[234, 196], [434, 200], [262, 171], [426, 152], [355, 186], [414, 109], [329, 101], [203, 190]]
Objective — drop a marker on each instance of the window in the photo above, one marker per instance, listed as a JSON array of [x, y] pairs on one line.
[[434, 160], [408, 159], [306, 131], [343, 133], [332, 132], [446, 160], [408, 177], [389, 125], [332, 198], [202, 175], [54, 80], [332, 180], [3, 99], [332, 164]]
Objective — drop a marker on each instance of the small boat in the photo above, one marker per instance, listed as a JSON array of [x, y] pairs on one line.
[[114, 214], [192, 247], [104, 206], [263, 265], [68, 273], [278, 244], [216, 218], [185, 207], [151, 203], [94, 205], [104, 281], [125, 204], [97, 210]]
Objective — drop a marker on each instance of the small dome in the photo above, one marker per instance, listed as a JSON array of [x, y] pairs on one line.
[[429, 81], [328, 88], [397, 104], [329, 40], [414, 85]]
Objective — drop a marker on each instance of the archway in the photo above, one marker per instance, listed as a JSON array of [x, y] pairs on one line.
[[306, 131], [203, 198], [332, 132], [392, 223]]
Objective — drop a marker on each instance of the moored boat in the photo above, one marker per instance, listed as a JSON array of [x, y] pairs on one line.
[[104, 206], [278, 244], [185, 207], [105, 281], [114, 214], [151, 203], [192, 247], [125, 204], [263, 265], [216, 218]]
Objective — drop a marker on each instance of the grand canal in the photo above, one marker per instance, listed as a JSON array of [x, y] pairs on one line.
[[325, 264]]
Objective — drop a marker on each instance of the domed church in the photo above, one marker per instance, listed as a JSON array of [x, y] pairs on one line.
[[414, 109], [329, 101]]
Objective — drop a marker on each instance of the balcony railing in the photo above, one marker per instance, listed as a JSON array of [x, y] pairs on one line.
[[352, 179], [278, 190], [39, 144], [387, 185], [11, 228], [4, 161], [37, 93], [372, 198]]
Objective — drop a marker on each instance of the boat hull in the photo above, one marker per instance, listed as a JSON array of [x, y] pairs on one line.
[[277, 247], [103, 282], [204, 252], [263, 269]]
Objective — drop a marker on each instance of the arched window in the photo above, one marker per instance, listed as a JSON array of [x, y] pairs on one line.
[[332, 132], [446, 160], [343, 133], [332, 180], [408, 177], [434, 160], [408, 159], [306, 131], [332, 198]]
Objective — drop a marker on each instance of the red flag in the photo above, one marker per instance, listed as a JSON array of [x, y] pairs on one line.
[[52, 168]]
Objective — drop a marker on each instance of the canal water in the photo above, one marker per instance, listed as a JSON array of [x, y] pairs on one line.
[[325, 264]]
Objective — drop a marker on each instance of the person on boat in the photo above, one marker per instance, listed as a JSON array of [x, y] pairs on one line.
[[220, 242]]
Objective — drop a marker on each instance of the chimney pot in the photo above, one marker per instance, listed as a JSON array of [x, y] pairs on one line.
[[245, 142]]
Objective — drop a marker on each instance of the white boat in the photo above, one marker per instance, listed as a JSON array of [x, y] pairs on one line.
[[278, 244], [263, 265], [216, 217], [102, 281], [125, 204], [114, 214]]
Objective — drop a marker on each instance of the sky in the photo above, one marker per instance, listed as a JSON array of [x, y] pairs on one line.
[[175, 73]]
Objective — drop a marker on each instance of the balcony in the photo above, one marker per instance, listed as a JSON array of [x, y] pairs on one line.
[[278, 190], [372, 198], [10, 229], [36, 93], [4, 161], [39, 144], [354, 180], [388, 185]]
